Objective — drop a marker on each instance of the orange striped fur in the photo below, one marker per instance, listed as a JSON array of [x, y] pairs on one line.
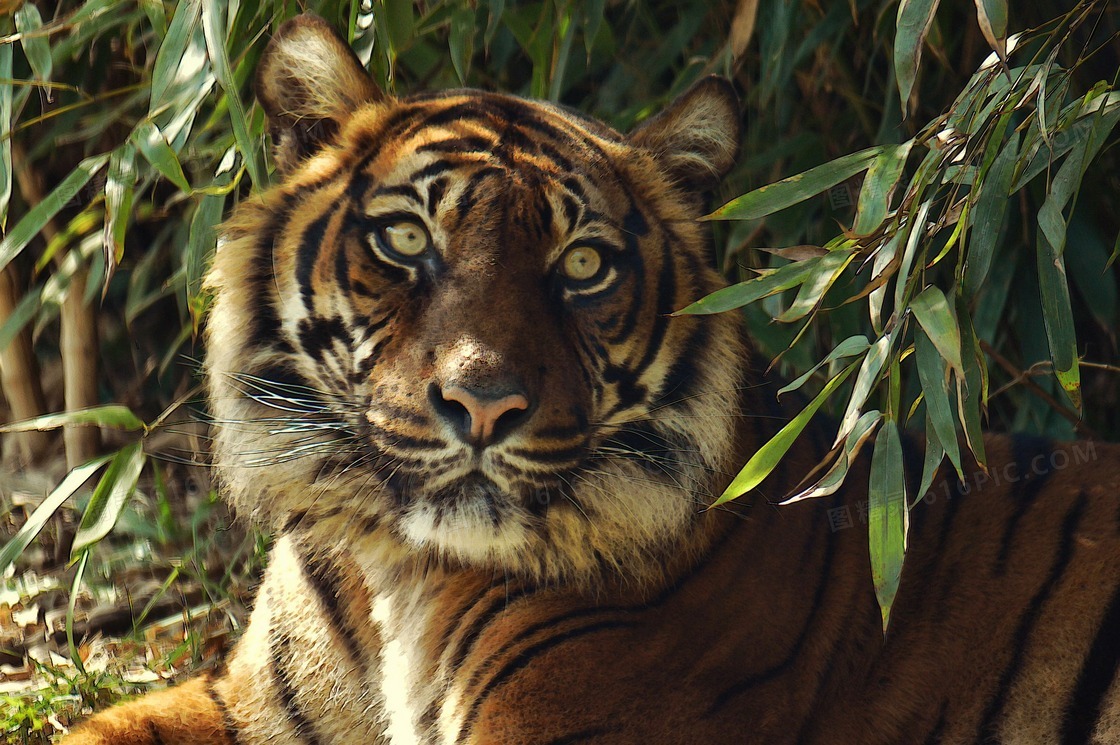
[[441, 367]]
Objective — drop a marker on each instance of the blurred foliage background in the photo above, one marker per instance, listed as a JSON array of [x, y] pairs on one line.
[[128, 129]]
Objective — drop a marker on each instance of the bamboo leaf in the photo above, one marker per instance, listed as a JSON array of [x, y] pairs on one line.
[[992, 17], [24, 312], [934, 454], [833, 479], [934, 378], [881, 179], [789, 191], [850, 347], [461, 42], [935, 317], [39, 215], [1057, 313], [866, 380], [912, 22], [887, 517], [766, 458], [150, 141], [168, 68], [214, 30], [46, 509], [745, 293], [828, 269], [110, 497], [988, 215], [112, 415], [119, 188], [35, 45]]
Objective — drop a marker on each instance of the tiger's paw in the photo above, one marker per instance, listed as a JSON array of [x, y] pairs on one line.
[[189, 714]]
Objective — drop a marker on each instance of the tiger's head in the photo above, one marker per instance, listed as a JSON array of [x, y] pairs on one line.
[[445, 331]]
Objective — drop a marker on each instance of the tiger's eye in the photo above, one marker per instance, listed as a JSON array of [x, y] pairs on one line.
[[582, 263], [406, 238]]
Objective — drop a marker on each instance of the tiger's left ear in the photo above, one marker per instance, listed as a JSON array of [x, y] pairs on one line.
[[696, 138], [309, 81]]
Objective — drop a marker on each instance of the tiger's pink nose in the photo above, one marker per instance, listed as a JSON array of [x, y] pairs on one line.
[[480, 418]]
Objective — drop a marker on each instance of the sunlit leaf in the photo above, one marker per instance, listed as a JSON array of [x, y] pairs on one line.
[[850, 347], [110, 497], [115, 416], [46, 509], [789, 191], [150, 141], [745, 293], [766, 458], [833, 479], [936, 318], [118, 205], [869, 374]]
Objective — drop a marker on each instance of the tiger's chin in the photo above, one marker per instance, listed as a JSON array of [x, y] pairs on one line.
[[471, 519]]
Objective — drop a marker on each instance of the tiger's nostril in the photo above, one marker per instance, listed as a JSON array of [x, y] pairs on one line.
[[480, 418]]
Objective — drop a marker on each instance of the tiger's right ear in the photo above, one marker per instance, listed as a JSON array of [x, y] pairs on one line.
[[309, 81]]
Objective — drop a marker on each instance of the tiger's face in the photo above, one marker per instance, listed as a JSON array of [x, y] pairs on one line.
[[445, 333]]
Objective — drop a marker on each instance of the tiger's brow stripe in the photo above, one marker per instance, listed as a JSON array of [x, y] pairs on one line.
[[1097, 676], [991, 719], [310, 246]]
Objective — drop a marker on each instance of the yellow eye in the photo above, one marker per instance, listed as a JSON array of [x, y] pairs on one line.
[[406, 238], [581, 263]]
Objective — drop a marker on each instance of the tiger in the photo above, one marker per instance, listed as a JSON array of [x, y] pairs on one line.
[[443, 368]]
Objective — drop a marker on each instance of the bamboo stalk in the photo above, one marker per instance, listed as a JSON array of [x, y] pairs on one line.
[[78, 343], [19, 376]]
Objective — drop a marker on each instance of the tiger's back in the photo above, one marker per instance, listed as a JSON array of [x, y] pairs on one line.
[[443, 369]]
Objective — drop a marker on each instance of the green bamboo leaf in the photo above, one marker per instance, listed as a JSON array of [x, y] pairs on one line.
[[850, 347], [912, 22], [203, 236], [745, 293], [400, 22], [934, 315], [168, 70], [1057, 313], [497, 9], [75, 587], [934, 454], [988, 215], [119, 188], [789, 191], [887, 517], [766, 458], [868, 377], [915, 231], [111, 415], [971, 393], [881, 179], [150, 141], [833, 479], [827, 271], [214, 30], [110, 497], [593, 20], [933, 375], [992, 17], [39, 215], [46, 509], [461, 42], [157, 16], [36, 47]]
